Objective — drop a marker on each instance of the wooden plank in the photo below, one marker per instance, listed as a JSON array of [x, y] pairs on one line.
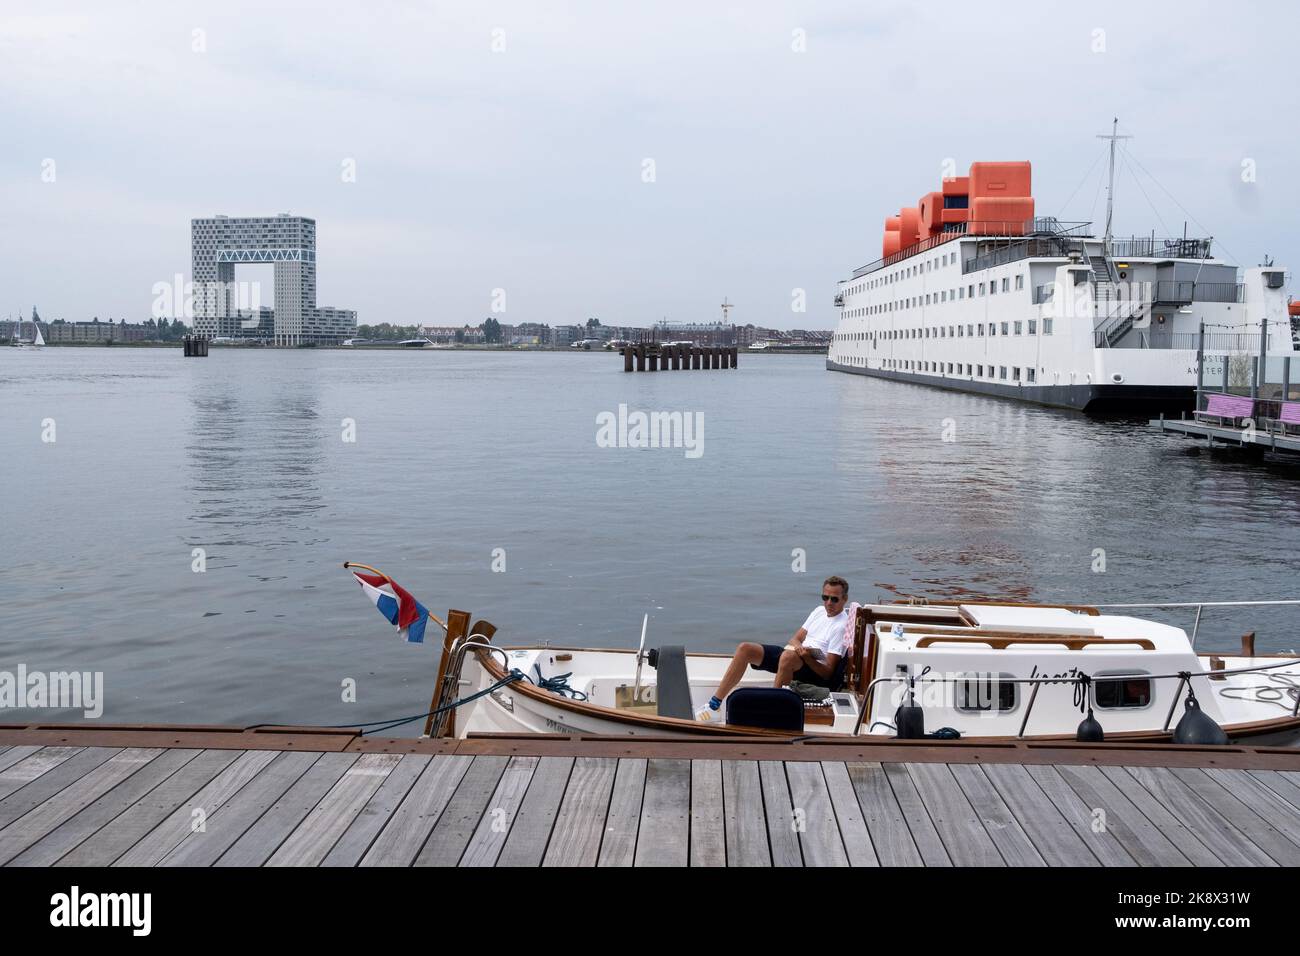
[[1224, 840], [1280, 785], [264, 838], [447, 842], [963, 835], [70, 834], [15, 754], [1145, 842], [708, 830], [1013, 843], [743, 820], [618, 846], [372, 817], [1053, 836], [127, 828], [1158, 813], [531, 830], [575, 841], [1100, 842], [228, 822], [44, 787], [1273, 832], [779, 812], [928, 842], [891, 838], [181, 823], [499, 815], [848, 813], [664, 838], [20, 774], [814, 815], [410, 824], [51, 813], [348, 787], [1267, 803]]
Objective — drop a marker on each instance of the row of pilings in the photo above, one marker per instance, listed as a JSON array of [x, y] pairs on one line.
[[653, 357]]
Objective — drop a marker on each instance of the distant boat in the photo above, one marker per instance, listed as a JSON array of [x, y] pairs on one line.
[[38, 340]]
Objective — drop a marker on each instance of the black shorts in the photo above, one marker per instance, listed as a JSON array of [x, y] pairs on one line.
[[772, 657]]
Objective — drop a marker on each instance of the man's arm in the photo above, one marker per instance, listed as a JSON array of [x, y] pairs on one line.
[[796, 642], [823, 669]]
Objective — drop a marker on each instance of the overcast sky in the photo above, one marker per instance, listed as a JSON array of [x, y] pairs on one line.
[[781, 135]]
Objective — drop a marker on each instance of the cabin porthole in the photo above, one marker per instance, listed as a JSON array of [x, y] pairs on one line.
[[1117, 378]]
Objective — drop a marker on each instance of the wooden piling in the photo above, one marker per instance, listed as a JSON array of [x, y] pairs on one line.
[[627, 358], [640, 358]]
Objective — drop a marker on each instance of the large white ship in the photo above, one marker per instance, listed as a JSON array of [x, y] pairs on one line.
[[975, 292]]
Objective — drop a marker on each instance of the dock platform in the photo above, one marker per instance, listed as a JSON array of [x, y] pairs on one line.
[[1261, 439], [220, 796]]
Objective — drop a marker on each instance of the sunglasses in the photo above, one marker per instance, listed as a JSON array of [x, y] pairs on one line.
[[832, 600]]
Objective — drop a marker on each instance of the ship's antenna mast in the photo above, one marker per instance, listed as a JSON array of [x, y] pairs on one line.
[[1110, 186], [726, 309]]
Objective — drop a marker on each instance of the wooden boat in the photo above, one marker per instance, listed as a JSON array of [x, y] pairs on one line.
[[982, 669]]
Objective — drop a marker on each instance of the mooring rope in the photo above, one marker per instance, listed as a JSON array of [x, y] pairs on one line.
[[389, 724]]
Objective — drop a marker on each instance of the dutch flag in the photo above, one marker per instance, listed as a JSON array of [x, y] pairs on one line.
[[396, 604]]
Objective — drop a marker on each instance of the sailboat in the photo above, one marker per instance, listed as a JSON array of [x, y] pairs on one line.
[[37, 341]]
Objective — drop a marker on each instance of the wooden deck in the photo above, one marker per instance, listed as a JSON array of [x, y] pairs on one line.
[[160, 796]]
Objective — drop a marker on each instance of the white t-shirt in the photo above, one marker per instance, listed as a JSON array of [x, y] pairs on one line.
[[825, 634]]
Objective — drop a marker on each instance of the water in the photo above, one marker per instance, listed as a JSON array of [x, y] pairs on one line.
[[460, 453]]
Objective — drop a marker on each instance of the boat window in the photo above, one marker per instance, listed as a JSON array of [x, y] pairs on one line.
[[1119, 694], [985, 693], [1047, 326], [1030, 372]]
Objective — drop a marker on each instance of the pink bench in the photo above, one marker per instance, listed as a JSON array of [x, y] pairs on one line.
[[1289, 414], [1233, 407]]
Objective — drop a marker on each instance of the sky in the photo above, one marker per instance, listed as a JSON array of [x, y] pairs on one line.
[[628, 161]]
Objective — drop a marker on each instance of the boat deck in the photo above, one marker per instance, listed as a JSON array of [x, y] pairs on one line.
[[214, 796]]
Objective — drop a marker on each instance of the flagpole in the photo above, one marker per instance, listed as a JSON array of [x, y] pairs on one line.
[[348, 565]]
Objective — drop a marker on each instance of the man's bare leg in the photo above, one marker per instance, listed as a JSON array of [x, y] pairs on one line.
[[785, 668], [746, 654]]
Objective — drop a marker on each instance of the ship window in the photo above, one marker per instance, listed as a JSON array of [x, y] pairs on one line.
[[1006, 285], [981, 328], [980, 373], [1019, 326], [993, 287], [1030, 372], [970, 330], [1004, 328], [1015, 373], [1033, 326], [1130, 692], [993, 329], [981, 288], [1020, 282], [968, 369], [1002, 372], [970, 291], [985, 692]]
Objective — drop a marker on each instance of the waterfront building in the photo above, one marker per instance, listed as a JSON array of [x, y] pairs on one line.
[[220, 243]]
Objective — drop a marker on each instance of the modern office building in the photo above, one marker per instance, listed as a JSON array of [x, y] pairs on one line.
[[219, 244]]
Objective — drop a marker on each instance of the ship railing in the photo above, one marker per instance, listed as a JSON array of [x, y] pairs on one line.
[[1040, 226], [1084, 685], [1141, 247]]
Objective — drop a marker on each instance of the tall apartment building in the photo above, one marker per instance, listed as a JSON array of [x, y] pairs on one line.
[[219, 244]]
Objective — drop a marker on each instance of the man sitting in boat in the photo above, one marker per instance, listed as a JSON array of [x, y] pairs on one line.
[[812, 656]]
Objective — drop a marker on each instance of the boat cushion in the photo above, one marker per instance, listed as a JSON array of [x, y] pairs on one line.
[[772, 708]]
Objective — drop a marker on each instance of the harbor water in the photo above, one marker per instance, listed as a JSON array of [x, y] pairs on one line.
[[180, 524]]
